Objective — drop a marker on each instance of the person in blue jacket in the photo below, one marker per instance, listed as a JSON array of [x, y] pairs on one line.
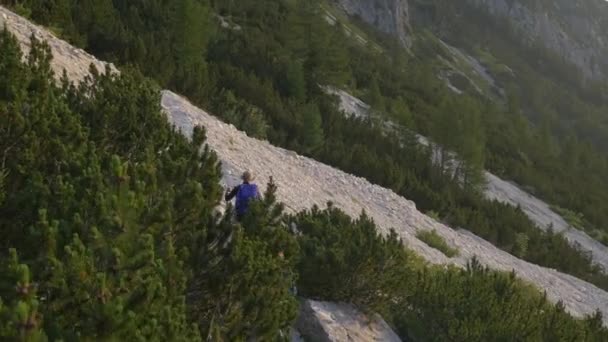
[[244, 193]]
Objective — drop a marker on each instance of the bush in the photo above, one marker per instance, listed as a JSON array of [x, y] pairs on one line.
[[347, 260], [478, 304], [431, 238]]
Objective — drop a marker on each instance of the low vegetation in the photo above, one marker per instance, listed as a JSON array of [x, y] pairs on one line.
[[431, 238], [578, 221]]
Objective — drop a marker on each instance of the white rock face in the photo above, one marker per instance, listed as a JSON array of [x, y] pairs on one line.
[[388, 16], [349, 104], [331, 322], [303, 182]]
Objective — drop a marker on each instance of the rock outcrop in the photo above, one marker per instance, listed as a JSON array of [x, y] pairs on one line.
[[331, 322], [388, 16], [303, 182]]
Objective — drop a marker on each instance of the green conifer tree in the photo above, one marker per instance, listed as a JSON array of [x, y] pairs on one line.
[[312, 132], [20, 316], [244, 293]]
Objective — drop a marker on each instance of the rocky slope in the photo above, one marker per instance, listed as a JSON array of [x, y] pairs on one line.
[[388, 16], [303, 182]]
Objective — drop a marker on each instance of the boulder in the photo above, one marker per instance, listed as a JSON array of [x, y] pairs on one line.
[[325, 322]]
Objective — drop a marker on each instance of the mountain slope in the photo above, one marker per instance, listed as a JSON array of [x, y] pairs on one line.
[[303, 182]]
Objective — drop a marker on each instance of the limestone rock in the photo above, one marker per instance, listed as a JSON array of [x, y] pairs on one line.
[[388, 16], [331, 322]]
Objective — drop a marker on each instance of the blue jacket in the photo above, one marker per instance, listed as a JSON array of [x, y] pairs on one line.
[[243, 193]]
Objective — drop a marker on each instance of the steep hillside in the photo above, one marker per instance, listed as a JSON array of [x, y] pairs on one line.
[[304, 182]]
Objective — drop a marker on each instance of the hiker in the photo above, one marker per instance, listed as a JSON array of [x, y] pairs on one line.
[[243, 193]]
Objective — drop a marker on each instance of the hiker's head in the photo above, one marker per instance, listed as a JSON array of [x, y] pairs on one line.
[[247, 176]]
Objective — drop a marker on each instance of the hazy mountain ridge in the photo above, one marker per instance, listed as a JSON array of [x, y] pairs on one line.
[[575, 30]]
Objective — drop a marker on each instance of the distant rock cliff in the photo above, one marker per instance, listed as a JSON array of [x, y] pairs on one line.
[[574, 29], [388, 16]]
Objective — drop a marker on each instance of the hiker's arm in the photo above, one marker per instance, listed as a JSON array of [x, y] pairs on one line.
[[230, 196]]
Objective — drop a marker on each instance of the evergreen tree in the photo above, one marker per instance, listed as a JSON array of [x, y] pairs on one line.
[[376, 100], [312, 131], [347, 260], [20, 318], [295, 82], [117, 211], [245, 294], [471, 150], [402, 113], [190, 36]]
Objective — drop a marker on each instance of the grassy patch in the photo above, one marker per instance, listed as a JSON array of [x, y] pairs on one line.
[[23, 11], [431, 238], [434, 215], [578, 221], [496, 68]]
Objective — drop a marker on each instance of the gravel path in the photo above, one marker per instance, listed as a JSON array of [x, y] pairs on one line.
[[303, 182]]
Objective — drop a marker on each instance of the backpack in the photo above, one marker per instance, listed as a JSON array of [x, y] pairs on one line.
[[246, 192]]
